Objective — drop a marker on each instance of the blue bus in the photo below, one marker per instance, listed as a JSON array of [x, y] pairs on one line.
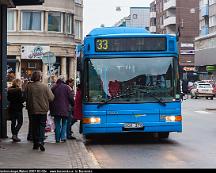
[[130, 82]]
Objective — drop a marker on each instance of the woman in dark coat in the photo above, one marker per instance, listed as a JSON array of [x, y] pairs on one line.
[[78, 106], [16, 98], [59, 108]]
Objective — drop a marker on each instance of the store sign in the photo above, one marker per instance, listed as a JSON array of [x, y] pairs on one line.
[[33, 52], [189, 68], [187, 45]]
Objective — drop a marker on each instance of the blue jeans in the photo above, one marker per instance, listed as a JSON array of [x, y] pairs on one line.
[[60, 128]]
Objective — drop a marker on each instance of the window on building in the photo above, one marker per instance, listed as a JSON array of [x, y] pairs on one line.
[[212, 21], [31, 20], [78, 29], [78, 1], [55, 21], [11, 22], [69, 23], [211, 2]]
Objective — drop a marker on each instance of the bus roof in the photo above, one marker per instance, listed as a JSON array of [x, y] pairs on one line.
[[117, 30]]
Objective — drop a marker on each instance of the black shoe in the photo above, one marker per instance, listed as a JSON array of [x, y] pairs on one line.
[[63, 140], [71, 138], [29, 138], [35, 147], [42, 148]]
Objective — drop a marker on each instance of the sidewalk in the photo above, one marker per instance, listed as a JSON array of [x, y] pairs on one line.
[[72, 154]]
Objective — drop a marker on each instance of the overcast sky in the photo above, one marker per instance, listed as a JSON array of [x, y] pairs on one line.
[[97, 12]]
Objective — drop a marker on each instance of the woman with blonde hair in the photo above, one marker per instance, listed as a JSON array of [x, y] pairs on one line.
[[16, 98]]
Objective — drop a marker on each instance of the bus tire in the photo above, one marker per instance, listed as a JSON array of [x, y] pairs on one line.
[[88, 138], [163, 135]]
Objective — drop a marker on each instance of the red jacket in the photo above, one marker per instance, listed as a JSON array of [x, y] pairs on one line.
[[78, 105]]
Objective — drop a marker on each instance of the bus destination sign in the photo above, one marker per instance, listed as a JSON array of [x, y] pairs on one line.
[[131, 44]]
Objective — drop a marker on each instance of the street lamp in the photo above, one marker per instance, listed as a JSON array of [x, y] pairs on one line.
[[118, 8]]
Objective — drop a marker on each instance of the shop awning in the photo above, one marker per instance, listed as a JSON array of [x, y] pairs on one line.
[[205, 57], [12, 60]]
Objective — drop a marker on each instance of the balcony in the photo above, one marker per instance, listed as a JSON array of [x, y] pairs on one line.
[[205, 11], [169, 4], [170, 21], [152, 29], [152, 14]]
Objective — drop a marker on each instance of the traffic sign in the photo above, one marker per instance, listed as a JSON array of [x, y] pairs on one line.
[[49, 58]]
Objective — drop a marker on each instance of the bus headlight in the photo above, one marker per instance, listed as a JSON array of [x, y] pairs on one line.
[[91, 120], [172, 118]]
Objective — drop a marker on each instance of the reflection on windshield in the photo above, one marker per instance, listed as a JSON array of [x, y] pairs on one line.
[[107, 78]]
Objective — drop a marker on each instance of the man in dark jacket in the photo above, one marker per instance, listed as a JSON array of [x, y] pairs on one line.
[[16, 99], [59, 108], [37, 103]]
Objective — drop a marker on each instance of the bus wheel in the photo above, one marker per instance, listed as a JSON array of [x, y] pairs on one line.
[[88, 138], [163, 135]]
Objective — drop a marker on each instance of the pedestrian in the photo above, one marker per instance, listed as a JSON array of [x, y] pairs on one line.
[[70, 120], [29, 135], [38, 96], [185, 88], [59, 108], [78, 106], [16, 99]]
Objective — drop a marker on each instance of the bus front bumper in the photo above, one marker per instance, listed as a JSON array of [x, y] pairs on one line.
[[120, 128]]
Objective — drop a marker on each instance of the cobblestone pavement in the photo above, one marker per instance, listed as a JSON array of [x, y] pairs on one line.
[[72, 154]]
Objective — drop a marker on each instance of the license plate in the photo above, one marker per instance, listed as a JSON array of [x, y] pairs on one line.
[[133, 125], [204, 90]]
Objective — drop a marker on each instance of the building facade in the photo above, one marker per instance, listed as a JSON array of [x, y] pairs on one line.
[[139, 17], [178, 17], [205, 44], [55, 26]]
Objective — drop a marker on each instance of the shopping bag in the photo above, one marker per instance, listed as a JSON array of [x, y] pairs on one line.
[[50, 126]]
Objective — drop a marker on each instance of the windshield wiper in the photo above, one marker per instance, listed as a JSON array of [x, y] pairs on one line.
[[160, 100], [112, 98]]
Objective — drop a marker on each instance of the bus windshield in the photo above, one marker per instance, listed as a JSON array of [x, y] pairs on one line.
[[130, 80]]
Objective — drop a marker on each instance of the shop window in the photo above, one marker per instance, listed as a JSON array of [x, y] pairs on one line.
[[32, 65]]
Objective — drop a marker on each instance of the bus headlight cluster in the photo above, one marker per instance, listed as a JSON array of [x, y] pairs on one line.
[[91, 120], [171, 118]]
